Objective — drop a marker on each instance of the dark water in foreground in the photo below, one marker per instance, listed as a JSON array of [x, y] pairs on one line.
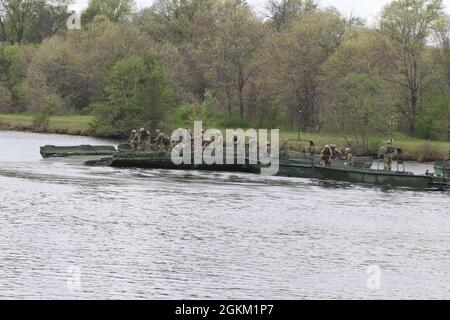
[[71, 231]]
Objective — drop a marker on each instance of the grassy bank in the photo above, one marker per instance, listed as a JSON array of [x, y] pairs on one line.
[[74, 125], [414, 149]]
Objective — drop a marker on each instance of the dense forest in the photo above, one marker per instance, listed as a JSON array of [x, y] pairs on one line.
[[296, 66]]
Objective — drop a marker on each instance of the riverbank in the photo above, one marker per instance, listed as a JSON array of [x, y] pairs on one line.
[[72, 125], [414, 149]]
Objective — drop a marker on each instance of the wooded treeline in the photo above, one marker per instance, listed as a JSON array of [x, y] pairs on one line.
[[298, 66]]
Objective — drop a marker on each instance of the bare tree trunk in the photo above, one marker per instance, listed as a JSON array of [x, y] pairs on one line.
[[241, 85], [413, 113]]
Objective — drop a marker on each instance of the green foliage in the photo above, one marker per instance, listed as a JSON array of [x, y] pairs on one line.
[[137, 96], [360, 109], [233, 121], [41, 120], [431, 122], [29, 21], [282, 12], [75, 66], [187, 113], [52, 106], [12, 72], [112, 10]]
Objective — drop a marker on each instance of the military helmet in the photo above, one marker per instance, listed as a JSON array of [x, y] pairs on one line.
[[327, 147], [347, 149], [142, 130], [333, 146], [133, 131]]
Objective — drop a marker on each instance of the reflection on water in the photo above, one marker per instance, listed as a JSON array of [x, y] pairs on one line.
[[135, 233]]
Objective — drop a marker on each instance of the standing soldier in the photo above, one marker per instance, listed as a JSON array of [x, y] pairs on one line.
[[325, 157], [134, 140], [144, 139], [389, 153], [159, 140]]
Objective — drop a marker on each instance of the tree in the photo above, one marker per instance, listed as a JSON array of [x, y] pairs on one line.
[[281, 12], [31, 20], [50, 18], [240, 34], [137, 95], [11, 73], [442, 35], [360, 108], [355, 99], [297, 57], [408, 25], [75, 65], [173, 20], [112, 10]]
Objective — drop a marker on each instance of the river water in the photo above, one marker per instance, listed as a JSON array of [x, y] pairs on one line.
[[77, 232]]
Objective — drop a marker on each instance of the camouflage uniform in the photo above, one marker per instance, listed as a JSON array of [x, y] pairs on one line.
[[335, 153], [389, 153], [325, 157], [159, 140], [348, 157], [134, 140], [144, 140]]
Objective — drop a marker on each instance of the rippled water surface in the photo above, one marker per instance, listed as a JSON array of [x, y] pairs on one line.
[[72, 231]]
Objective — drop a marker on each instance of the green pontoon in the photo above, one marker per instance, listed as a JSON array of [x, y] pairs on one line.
[[83, 150], [306, 155], [360, 176], [163, 160], [287, 168], [291, 164]]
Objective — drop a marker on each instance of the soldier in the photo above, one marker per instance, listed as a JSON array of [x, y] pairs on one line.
[[144, 139], [335, 153], [133, 132], [159, 140], [325, 156], [348, 157], [166, 142], [134, 140], [389, 153]]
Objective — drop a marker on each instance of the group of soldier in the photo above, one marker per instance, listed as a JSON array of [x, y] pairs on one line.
[[142, 141], [330, 153]]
